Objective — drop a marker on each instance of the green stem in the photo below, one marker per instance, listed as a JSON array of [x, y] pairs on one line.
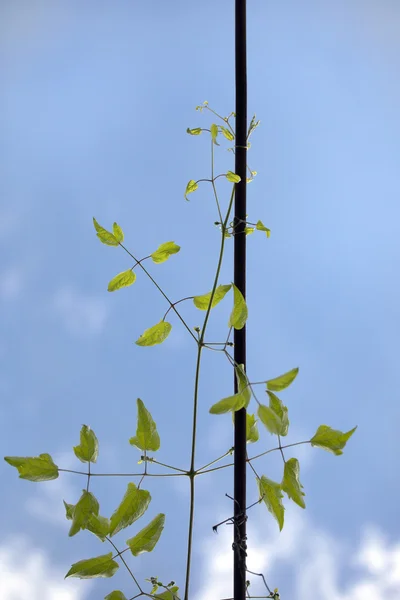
[[198, 472], [126, 565], [183, 474]]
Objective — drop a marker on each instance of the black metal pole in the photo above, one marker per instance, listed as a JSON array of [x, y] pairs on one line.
[[239, 565]]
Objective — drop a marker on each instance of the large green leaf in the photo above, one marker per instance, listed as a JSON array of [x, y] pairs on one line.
[[155, 335], [202, 302], [96, 524], [37, 468], [261, 227], [291, 483], [164, 251], [275, 416], [116, 595], [88, 449], [101, 566], [232, 177], [170, 594], [283, 381], [271, 493], [237, 401], [118, 233], [190, 188], [330, 439], [239, 313], [133, 505], [146, 437], [124, 279], [147, 538], [251, 429], [86, 506], [106, 237]]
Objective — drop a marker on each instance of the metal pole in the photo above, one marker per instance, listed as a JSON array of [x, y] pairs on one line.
[[239, 566]]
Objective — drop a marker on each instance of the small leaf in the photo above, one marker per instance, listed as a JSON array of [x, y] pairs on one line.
[[86, 506], [155, 335], [260, 225], [291, 482], [69, 510], [116, 595], [243, 384], [118, 233], [202, 302], [232, 177], [249, 230], [38, 468], [214, 133], [101, 566], [147, 538], [239, 313], [164, 251], [190, 188], [270, 419], [251, 429], [106, 237], [330, 439], [133, 505], [195, 131], [283, 381], [88, 449], [146, 437], [271, 493], [228, 134], [121, 280], [170, 594]]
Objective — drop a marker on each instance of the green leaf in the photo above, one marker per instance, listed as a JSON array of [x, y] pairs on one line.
[[147, 538], [133, 505], [227, 133], [170, 594], [291, 483], [232, 177], [275, 416], [237, 401], [190, 188], [116, 595], [251, 429], [249, 230], [121, 280], [261, 227], [214, 133], [195, 131], [271, 493], [239, 313], [155, 335], [38, 468], [118, 233], [106, 237], [146, 437], [283, 381], [164, 251], [88, 449], [202, 302], [86, 506], [330, 439], [96, 524], [101, 566]]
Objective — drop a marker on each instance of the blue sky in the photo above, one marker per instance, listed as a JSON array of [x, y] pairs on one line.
[[95, 101]]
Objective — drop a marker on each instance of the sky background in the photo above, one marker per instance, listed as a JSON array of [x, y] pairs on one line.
[[94, 104]]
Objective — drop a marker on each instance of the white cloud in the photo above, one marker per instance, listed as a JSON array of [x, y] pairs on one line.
[[321, 565], [26, 573], [82, 315], [11, 283]]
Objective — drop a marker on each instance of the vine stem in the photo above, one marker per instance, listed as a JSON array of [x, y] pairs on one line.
[[200, 342]]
